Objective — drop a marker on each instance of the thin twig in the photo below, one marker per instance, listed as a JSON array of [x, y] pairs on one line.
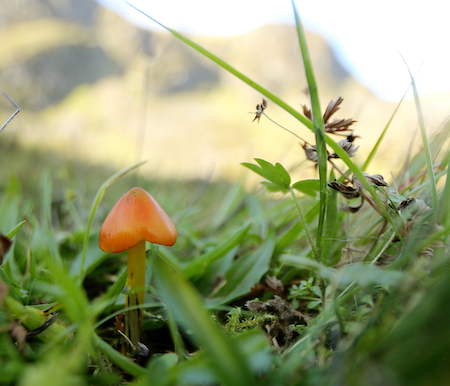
[[339, 170], [13, 115], [284, 128]]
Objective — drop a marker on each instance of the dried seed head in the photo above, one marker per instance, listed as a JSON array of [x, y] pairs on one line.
[[347, 146], [307, 112], [418, 223], [404, 204], [346, 190], [311, 152], [332, 107], [260, 107], [413, 207], [376, 179], [339, 125]]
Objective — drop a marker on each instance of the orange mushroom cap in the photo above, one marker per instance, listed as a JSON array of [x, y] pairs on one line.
[[136, 217]]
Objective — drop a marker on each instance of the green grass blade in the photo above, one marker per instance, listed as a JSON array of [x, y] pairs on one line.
[[11, 285], [225, 359], [244, 273], [233, 71], [46, 201], [319, 130], [305, 263], [200, 264], [16, 229], [444, 205], [305, 224], [426, 144], [380, 139], [115, 290], [98, 199], [332, 224], [116, 357]]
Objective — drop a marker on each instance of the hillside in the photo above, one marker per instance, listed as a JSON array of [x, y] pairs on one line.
[[88, 82]]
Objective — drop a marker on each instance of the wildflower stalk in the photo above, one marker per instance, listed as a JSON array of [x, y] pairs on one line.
[[318, 126], [305, 225], [284, 128], [339, 170]]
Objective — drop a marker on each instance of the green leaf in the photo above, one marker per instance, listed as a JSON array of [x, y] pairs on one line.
[[278, 171], [309, 187], [244, 274], [276, 174], [274, 188], [284, 175], [198, 266], [224, 357]]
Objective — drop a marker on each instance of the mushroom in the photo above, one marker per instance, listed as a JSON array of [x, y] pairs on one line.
[[135, 219]]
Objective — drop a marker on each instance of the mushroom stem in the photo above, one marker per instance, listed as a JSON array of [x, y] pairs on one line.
[[134, 319]]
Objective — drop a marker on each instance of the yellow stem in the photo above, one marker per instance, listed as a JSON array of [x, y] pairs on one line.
[[134, 319]]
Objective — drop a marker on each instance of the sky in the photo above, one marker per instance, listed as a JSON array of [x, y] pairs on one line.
[[369, 38]]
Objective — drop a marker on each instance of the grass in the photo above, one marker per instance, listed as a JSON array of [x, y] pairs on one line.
[[328, 281]]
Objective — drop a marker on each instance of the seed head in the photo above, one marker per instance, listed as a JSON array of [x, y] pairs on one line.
[[260, 107]]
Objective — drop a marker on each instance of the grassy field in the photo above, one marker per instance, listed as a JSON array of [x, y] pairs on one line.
[[338, 280]]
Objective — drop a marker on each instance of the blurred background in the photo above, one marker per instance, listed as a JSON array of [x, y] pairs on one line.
[[100, 87]]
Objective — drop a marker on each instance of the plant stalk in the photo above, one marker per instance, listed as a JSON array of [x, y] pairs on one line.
[[134, 319], [305, 224]]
